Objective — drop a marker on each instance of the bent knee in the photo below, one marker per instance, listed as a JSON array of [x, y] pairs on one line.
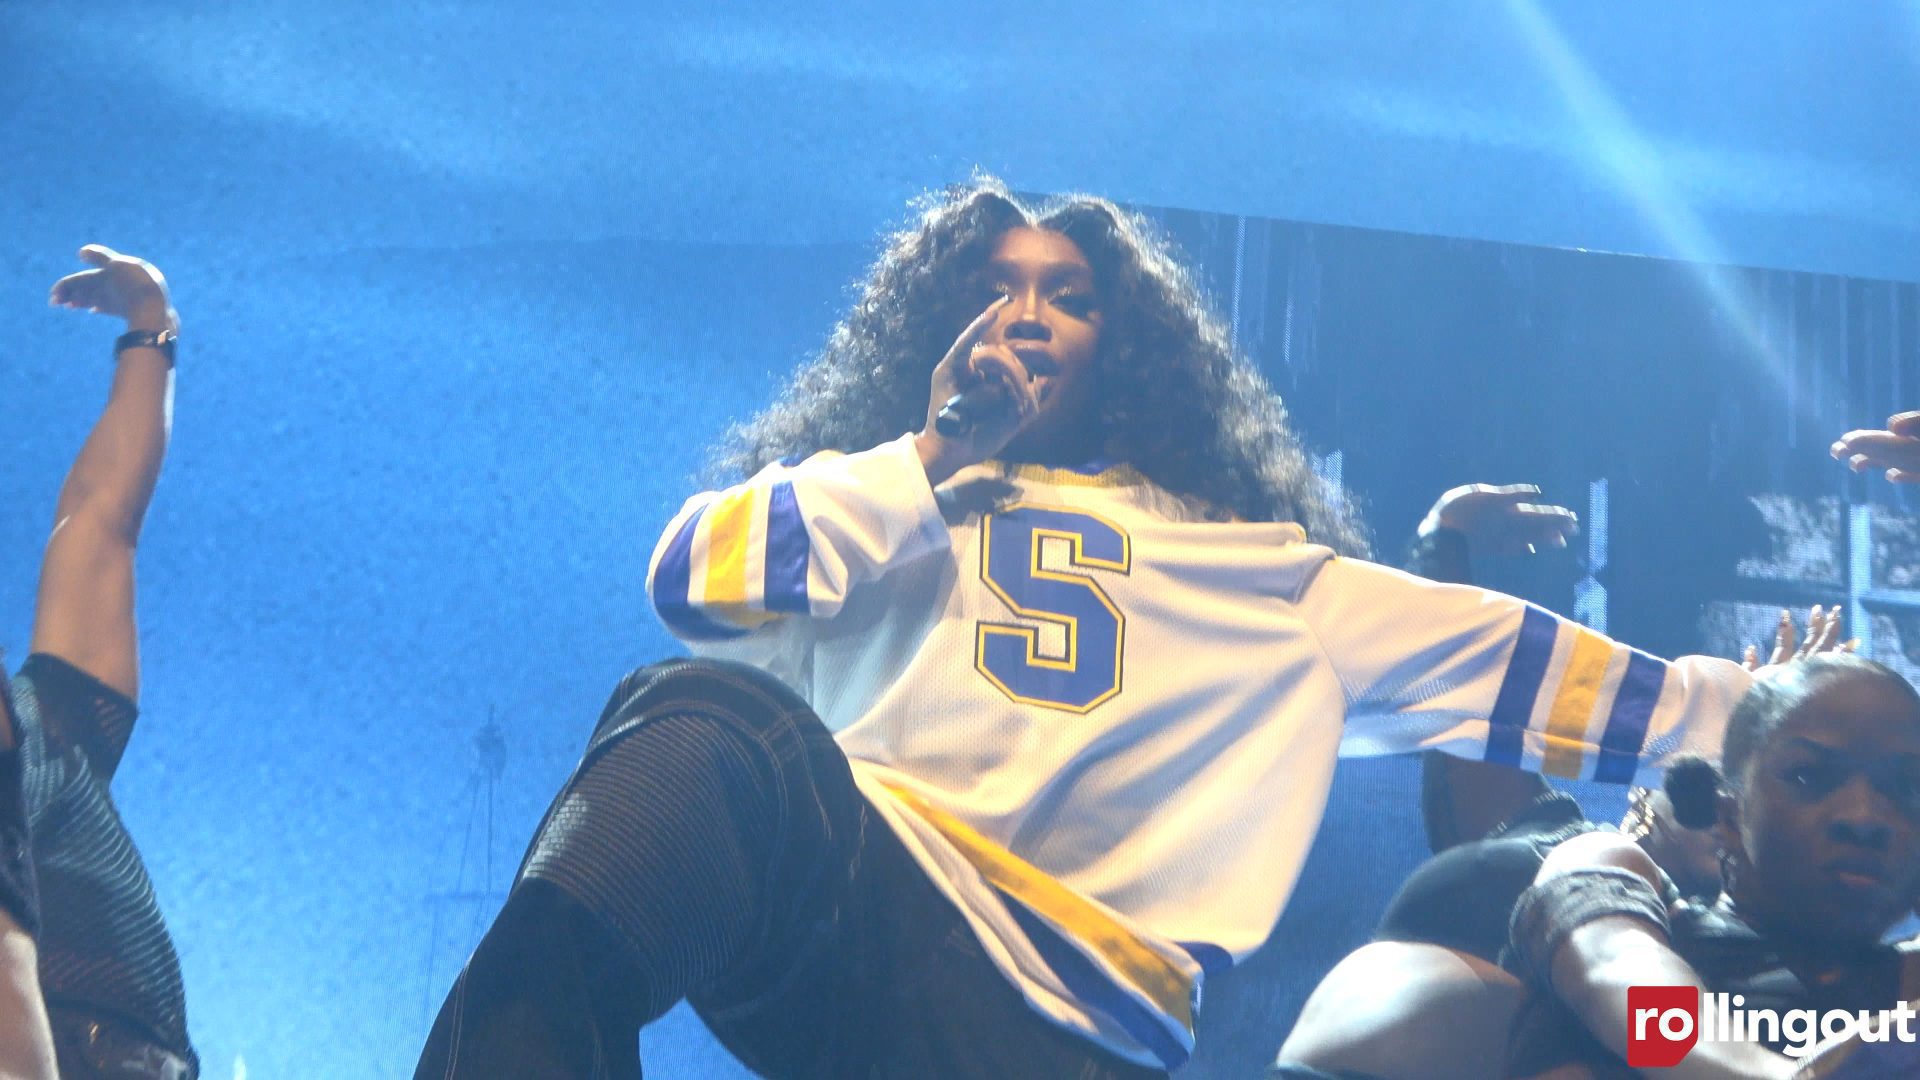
[[740, 693], [1396, 1009]]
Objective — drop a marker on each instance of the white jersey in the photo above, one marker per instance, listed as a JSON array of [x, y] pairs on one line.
[[1105, 725]]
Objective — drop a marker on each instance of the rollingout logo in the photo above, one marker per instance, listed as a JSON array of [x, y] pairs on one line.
[[1665, 1022]]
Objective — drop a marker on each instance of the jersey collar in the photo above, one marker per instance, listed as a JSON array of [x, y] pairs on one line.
[[1100, 472]]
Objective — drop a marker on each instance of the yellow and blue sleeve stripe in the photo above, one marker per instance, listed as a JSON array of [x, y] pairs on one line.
[[736, 563], [1563, 679]]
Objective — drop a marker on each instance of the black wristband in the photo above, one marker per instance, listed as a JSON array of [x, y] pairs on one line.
[[162, 340], [1549, 913]]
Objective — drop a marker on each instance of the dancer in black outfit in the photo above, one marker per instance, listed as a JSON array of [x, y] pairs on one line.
[[107, 964]]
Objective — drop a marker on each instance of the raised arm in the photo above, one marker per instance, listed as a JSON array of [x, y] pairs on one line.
[[85, 612], [1500, 519]]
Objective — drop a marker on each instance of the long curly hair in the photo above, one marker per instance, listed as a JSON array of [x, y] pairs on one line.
[[1173, 399]]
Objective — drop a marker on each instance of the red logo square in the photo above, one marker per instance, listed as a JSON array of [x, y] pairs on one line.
[[1663, 1023]]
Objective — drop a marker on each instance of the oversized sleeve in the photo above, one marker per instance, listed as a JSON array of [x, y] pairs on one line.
[[792, 542], [1483, 675]]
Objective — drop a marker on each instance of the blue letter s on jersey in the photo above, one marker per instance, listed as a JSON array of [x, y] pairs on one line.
[[1008, 654]]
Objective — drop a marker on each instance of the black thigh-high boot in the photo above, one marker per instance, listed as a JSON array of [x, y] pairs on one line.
[[707, 788]]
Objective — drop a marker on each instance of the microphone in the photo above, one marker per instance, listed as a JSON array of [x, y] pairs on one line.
[[964, 410]]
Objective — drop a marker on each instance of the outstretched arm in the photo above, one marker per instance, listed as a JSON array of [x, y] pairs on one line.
[[1426, 666], [85, 606]]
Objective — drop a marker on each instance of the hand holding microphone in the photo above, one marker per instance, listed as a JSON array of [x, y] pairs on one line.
[[965, 410], [982, 396]]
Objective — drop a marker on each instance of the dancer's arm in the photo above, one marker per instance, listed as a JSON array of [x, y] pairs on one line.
[[85, 612], [26, 1042], [1596, 962], [1895, 448]]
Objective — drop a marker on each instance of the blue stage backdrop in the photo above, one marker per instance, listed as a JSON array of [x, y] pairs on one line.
[[469, 288]]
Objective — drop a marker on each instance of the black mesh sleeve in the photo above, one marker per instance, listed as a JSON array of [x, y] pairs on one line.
[[107, 964], [80, 710]]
